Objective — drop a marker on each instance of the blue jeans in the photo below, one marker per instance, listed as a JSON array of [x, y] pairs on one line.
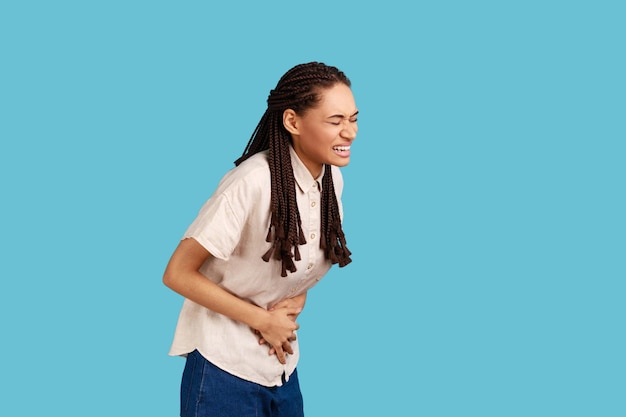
[[208, 391]]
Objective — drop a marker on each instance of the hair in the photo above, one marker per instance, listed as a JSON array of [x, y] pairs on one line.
[[298, 89]]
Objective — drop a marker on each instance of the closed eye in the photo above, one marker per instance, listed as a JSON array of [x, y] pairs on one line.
[[336, 119]]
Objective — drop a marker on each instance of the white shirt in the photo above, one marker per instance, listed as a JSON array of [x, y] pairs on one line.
[[232, 225]]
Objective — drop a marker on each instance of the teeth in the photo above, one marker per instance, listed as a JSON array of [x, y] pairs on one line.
[[341, 148]]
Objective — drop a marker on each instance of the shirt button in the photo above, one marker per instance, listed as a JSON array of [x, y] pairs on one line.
[[312, 235], [312, 203], [309, 266]]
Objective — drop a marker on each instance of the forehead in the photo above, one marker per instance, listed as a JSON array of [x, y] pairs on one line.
[[337, 99]]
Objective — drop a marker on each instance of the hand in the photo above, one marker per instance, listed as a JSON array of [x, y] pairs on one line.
[[279, 331], [294, 302]]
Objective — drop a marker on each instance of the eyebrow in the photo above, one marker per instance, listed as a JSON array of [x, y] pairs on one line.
[[342, 116]]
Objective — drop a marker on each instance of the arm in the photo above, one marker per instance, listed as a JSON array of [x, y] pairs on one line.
[[182, 276]]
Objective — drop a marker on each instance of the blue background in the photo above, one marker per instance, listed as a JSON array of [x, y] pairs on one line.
[[484, 202]]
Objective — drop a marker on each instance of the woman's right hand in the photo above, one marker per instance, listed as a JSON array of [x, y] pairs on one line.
[[278, 330], [182, 275]]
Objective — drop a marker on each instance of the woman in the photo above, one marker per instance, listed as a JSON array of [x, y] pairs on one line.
[[271, 231]]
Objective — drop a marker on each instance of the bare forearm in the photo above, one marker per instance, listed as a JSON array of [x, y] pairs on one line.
[[197, 288], [182, 275]]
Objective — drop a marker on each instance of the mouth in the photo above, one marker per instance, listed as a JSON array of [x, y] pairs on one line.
[[342, 151]]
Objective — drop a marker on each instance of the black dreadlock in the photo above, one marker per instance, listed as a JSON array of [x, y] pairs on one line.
[[298, 89]]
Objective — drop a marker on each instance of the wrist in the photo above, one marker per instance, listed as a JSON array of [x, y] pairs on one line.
[[260, 319]]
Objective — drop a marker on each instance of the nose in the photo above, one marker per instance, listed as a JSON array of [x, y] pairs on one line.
[[349, 131]]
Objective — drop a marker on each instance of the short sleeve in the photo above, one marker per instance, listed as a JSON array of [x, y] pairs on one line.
[[217, 227]]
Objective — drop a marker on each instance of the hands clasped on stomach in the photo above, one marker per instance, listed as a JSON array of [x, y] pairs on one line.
[[279, 330]]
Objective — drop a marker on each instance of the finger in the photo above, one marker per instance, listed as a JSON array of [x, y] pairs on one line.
[[280, 304], [280, 355], [287, 348], [291, 310]]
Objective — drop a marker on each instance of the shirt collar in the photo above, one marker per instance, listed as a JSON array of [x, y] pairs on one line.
[[303, 177]]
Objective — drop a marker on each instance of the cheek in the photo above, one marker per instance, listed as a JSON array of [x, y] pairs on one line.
[[321, 136]]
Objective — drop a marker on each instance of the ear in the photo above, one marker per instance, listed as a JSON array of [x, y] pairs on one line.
[[290, 121]]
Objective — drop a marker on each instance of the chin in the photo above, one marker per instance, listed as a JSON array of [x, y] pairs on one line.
[[341, 162]]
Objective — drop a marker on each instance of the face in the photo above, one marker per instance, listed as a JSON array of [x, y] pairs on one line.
[[324, 134]]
